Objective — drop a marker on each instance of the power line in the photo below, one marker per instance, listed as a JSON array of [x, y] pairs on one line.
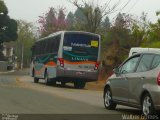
[[130, 8], [125, 5], [133, 6], [122, 8]]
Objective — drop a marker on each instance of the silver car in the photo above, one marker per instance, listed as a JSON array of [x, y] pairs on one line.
[[135, 83]]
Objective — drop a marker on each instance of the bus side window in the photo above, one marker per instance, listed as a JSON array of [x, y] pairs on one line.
[[46, 47], [50, 45], [36, 49], [57, 42], [54, 44], [39, 47]]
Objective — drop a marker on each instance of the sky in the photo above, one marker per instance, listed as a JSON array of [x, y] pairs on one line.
[[29, 10]]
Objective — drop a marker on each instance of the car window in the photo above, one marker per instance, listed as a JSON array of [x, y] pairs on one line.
[[145, 63], [156, 61], [130, 65]]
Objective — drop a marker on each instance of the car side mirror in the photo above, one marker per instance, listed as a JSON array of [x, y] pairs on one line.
[[116, 71]]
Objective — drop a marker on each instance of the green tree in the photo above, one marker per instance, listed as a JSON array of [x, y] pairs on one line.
[[70, 21], [117, 42], [152, 38], [8, 27], [158, 13], [61, 20], [24, 43], [79, 20], [50, 19], [53, 21], [90, 18], [106, 23]]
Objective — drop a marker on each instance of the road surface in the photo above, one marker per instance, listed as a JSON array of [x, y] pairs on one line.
[[19, 95]]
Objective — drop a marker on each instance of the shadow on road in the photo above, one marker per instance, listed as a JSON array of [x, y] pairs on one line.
[[68, 86], [129, 111]]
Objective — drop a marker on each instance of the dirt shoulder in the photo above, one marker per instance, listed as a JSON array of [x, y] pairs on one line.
[[98, 85]]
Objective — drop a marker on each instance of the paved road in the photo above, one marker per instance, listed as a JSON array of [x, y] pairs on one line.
[[19, 95]]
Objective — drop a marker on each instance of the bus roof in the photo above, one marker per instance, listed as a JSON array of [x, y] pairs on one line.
[[60, 32]]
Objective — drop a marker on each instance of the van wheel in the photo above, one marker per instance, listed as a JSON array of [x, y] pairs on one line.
[[36, 80], [79, 84], [108, 102], [147, 105]]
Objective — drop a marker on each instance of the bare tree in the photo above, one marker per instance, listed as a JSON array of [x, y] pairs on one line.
[[94, 13]]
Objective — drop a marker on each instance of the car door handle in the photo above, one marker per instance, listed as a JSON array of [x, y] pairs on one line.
[[142, 78]]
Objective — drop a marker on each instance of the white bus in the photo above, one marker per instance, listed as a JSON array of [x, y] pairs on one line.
[[67, 56]]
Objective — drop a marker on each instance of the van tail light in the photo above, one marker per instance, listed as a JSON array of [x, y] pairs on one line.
[[97, 65], [158, 79], [61, 62]]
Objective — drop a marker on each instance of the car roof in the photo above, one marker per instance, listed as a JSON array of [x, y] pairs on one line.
[[135, 50], [147, 52]]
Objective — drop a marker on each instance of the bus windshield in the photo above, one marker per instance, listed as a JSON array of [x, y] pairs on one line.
[[80, 47]]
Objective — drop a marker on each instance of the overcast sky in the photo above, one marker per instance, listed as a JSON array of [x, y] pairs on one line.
[[29, 10]]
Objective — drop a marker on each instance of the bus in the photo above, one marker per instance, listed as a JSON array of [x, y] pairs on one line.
[[67, 56]]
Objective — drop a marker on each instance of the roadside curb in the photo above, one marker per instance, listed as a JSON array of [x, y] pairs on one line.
[[7, 72]]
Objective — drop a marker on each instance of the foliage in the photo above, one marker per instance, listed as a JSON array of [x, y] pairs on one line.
[[117, 41], [70, 21], [128, 32], [106, 23], [118, 37], [153, 36], [52, 21], [8, 26], [3, 8], [25, 40], [93, 14]]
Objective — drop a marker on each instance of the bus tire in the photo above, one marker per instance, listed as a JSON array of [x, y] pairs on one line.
[[36, 80], [63, 84], [33, 73], [52, 81], [49, 81], [79, 84]]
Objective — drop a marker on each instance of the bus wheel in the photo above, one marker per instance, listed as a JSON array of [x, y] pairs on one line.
[[53, 81], [63, 84], [47, 80], [36, 80], [79, 84]]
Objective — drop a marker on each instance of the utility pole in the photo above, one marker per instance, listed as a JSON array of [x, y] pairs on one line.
[[22, 55]]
